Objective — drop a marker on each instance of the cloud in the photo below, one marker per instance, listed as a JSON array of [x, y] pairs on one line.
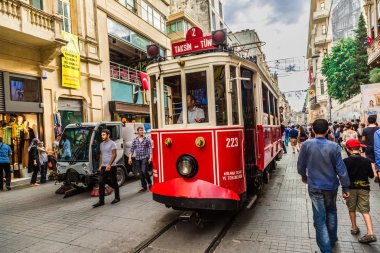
[[282, 11], [283, 25]]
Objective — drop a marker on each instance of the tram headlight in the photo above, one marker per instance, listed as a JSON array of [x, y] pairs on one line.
[[187, 166]]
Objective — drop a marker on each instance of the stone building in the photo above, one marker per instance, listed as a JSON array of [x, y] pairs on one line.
[[208, 14], [108, 37]]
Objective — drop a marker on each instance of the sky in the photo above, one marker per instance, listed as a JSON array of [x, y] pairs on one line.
[[283, 26]]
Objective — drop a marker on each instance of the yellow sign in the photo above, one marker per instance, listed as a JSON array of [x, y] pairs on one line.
[[70, 62], [311, 93]]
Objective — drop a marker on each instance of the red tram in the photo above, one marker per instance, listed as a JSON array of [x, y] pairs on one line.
[[231, 138]]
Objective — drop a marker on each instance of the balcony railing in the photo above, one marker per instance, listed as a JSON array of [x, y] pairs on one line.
[[320, 14], [22, 17], [124, 73], [373, 51]]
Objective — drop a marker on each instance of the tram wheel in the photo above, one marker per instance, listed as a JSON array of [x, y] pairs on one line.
[[258, 184], [266, 176]]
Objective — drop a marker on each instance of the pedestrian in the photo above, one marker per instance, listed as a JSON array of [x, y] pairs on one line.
[[283, 139], [5, 165], [34, 161], [359, 170], [376, 147], [107, 168], [56, 145], [43, 158], [355, 124], [320, 164], [293, 135], [142, 147], [287, 131], [302, 136], [360, 131], [348, 134], [368, 139]]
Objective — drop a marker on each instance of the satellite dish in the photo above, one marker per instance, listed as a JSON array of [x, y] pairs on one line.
[[247, 74]]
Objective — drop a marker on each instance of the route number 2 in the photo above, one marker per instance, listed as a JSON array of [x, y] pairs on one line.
[[232, 142]]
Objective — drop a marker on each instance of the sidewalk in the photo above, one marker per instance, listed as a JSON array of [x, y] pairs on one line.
[[282, 221]]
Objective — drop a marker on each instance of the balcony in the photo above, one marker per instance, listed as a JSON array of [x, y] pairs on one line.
[[374, 52], [320, 14], [20, 21], [125, 74], [320, 40]]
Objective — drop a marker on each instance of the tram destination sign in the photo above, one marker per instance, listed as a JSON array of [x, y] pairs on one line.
[[192, 45]]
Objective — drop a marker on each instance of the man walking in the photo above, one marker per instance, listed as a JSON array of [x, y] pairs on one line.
[[319, 164], [293, 134], [142, 146], [107, 168], [5, 165]]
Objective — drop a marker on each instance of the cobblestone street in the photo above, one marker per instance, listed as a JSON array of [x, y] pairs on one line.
[[37, 220]]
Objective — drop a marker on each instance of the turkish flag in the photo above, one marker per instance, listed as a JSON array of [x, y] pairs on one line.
[[144, 81], [369, 40]]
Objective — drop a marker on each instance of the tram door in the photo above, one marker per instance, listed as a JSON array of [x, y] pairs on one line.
[[249, 125]]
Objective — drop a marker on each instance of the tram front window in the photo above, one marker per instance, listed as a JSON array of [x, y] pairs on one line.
[[172, 99], [220, 95], [196, 98]]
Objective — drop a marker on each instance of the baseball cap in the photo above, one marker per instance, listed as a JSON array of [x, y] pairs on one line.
[[353, 143]]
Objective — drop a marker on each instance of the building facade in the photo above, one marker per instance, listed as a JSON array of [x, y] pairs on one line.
[[345, 18], [319, 45], [372, 10], [97, 47], [208, 14]]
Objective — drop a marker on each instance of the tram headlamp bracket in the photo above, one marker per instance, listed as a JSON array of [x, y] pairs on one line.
[[187, 166]]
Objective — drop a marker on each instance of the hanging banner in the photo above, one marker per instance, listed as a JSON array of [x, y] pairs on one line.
[[70, 62]]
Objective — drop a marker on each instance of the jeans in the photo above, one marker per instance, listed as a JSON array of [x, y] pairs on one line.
[[7, 169], [144, 174], [103, 175], [34, 175], [286, 141], [325, 218], [43, 172]]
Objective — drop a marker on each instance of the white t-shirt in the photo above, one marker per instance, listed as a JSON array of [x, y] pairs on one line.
[[192, 115]]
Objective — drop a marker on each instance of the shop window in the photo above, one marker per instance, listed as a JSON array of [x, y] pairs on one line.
[[172, 99], [36, 4], [25, 89], [115, 132], [323, 6], [234, 97], [220, 95], [196, 97], [64, 11]]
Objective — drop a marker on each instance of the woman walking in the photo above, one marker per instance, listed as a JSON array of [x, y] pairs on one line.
[[349, 134], [34, 160], [43, 158], [302, 137]]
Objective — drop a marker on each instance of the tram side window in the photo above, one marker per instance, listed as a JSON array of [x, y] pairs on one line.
[[277, 120], [265, 99], [220, 95], [271, 103], [172, 99], [234, 97], [153, 101], [196, 97]]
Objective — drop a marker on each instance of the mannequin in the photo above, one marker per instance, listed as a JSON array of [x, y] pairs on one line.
[[28, 136], [17, 139]]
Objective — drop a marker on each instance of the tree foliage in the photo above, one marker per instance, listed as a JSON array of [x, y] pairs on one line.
[[374, 75], [339, 69], [345, 68]]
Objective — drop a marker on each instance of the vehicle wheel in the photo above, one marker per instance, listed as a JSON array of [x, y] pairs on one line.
[[258, 184], [120, 176]]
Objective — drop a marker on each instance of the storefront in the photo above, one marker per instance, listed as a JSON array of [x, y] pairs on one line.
[[21, 113]]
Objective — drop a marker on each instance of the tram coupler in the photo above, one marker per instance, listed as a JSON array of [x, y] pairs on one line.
[[187, 216]]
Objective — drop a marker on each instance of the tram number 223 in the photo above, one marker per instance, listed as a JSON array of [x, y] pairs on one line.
[[232, 142]]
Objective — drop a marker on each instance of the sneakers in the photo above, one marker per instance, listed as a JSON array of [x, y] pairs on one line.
[[98, 204], [142, 190], [367, 239]]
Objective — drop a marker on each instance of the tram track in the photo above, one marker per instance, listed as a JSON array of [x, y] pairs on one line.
[[206, 239]]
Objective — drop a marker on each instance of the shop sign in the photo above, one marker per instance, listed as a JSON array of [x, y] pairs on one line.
[[71, 62]]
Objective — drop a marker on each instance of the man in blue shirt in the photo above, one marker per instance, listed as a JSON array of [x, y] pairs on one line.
[[5, 165], [293, 134], [287, 131], [320, 165], [376, 147]]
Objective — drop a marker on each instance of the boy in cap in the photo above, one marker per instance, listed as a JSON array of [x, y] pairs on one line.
[[359, 170]]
